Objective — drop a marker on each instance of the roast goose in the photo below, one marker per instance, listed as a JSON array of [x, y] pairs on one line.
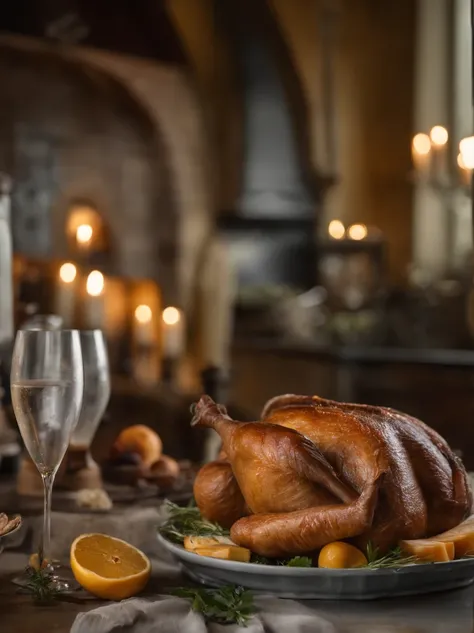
[[313, 471]]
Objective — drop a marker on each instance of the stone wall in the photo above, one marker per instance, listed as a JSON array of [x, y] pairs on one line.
[[126, 135]]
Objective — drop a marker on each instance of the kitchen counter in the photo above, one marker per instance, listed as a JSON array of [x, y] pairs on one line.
[[456, 358]]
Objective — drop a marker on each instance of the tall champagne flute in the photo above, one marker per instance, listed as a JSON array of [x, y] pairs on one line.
[[47, 385], [81, 470]]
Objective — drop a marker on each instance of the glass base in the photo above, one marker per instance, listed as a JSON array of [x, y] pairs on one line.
[[61, 580]]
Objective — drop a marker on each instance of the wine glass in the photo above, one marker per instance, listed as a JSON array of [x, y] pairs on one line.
[[47, 389], [81, 470]]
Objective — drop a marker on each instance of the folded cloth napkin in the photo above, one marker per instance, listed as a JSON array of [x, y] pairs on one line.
[[167, 614]]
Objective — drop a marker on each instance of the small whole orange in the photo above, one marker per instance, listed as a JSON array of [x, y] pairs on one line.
[[340, 555]]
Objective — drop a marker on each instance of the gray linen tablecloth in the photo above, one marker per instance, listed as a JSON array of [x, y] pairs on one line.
[[167, 614]]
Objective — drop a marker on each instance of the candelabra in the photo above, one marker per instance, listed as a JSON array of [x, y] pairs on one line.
[[438, 166]]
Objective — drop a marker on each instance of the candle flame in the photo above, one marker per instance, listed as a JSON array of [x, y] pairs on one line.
[[143, 314], [421, 144], [84, 233], [95, 283], [171, 316], [466, 151], [67, 273], [336, 229], [357, 232], [439, 135]]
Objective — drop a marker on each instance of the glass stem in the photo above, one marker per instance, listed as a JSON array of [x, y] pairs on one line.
[[45, 547]]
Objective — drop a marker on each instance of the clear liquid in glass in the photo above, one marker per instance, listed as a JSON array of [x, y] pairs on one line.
[[44, 415]]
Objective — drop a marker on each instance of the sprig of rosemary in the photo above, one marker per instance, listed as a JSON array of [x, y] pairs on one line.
[[226, 605], [392, 559], [187, 521], [40, 584]]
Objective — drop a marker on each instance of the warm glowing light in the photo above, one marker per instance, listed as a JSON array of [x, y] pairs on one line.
[[439, 135], [67, 273], [84, 233], [95, 283], [143, 314], [466, 149], [421, 144], [357, 231], [336, 229], [171, 316], [461, 163]]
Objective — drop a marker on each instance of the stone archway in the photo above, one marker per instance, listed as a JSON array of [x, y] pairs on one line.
[[127, 134]]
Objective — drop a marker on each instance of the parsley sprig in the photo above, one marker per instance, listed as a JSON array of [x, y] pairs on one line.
[[226, 605]]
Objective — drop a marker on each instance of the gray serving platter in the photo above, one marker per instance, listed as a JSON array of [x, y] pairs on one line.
[[324, 584]]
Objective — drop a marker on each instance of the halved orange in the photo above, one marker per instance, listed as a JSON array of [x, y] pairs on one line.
[[108, 567]]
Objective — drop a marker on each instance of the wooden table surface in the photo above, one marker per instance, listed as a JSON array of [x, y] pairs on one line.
[[20, 614], [450, 612]]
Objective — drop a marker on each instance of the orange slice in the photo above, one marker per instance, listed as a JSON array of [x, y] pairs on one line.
[[225, 552], [192, 543], [108, 567], [429, 551], [33, 562], [462, 536]]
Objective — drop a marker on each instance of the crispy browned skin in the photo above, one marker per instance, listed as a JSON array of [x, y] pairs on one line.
[[304, 531], [314, 471], [280, 474], [426, 488], [218, 495]]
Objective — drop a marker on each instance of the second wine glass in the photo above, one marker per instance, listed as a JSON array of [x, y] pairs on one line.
[[81, 471]]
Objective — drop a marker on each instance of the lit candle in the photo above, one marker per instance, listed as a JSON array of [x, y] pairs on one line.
[[357, 232], [336, 229], [143, 330], [173, 333], [439, 142], [421, 153], [84, 233], [466, 149], [95, 302], [66, 294]]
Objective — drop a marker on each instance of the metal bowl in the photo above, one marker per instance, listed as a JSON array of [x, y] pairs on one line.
[[4, 538]]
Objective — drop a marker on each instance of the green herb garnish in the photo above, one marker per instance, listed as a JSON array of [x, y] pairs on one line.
[[263, 560], [227, 605], [41, 584], [187, 521], [296, 561], [299, 561], [394, 558]]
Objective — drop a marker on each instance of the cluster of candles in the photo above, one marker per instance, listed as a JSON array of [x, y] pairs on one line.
[[104, 304], [145, 327], [337, 231], [431, 152]]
